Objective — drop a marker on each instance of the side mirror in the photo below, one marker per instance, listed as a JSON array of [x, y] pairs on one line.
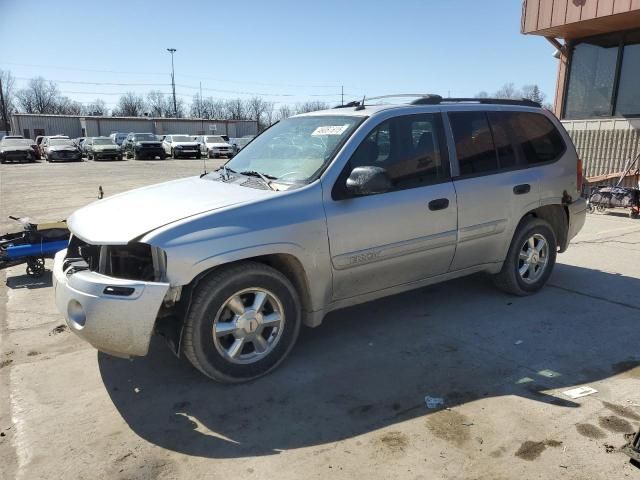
[[368, 181]]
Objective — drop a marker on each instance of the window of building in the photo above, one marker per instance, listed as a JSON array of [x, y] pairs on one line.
[[474, 142], [591, 79], [628, 99], [25, 133], [603, 77], [412, 150]]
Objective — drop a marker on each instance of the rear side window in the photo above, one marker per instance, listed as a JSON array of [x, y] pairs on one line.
[[538, 138], [474, 142]]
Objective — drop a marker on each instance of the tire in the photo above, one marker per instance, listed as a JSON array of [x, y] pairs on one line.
[[210, 155], [509, 279], [135, 155], [210, 303], [198, 156]]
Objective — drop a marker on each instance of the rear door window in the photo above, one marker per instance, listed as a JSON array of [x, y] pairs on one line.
[[475, 148]]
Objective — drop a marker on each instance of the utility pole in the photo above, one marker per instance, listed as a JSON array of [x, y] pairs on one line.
[[342, 95], [3, 108], [173, 82]]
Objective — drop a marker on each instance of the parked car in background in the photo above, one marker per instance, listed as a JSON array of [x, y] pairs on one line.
[[102, 148], [59, 148], [181, 146], [17, 150], [79, 143], [240, 143], [42, 142], [9, 137], [214, 146], [142, 145], [322, 211], [118, 138]]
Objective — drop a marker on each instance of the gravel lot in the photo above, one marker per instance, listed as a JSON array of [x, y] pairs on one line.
[[349, 401]]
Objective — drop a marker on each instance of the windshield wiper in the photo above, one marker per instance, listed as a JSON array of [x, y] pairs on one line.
[[263, 176]]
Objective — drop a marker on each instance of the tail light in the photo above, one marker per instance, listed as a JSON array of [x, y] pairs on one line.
[[579, 177]]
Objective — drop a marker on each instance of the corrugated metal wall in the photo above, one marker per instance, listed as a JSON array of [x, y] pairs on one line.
[[605, 146], [96, 126], [51, 125]]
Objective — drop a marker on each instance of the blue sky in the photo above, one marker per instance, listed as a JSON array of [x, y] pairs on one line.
[[289, 51]]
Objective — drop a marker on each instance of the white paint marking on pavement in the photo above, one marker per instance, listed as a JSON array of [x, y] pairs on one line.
[[20, 441]]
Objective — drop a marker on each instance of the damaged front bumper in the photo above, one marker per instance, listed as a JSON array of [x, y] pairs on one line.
[[116, 316]]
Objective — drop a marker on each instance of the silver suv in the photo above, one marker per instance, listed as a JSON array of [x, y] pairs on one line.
[[322, 211]]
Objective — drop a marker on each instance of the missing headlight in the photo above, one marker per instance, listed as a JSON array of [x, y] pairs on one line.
[[130, 262]]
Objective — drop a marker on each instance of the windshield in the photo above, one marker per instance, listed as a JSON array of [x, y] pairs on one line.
[[296, 148], [215, 140], [103, 141], [60, 141], [16, 142], [145, 137], [182, 138]]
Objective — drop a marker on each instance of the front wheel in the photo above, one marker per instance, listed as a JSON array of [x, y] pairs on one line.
[[243, 321], [530, 259]]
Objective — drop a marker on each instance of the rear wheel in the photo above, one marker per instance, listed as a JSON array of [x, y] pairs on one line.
[[136, 156], [530, 259], [243, 321]]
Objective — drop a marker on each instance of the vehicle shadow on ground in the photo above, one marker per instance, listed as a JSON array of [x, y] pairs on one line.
[[29, 282], [371, 366]]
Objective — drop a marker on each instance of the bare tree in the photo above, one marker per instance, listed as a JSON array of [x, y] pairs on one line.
[[285, 111], [532, 92], [269, 114], [96, 108], [66, 106], [8, 101], [198, 108], [157, 104], [235, 109], [482, 94], [130, 105], [216, 108], [508, 90], [40, 96], [311, 106], [256, 108]]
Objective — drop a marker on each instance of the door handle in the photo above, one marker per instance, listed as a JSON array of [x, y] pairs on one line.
[[439, 204], [522, 189]]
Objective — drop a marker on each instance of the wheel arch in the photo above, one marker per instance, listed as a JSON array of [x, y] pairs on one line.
[[287, 264], [558, 217]]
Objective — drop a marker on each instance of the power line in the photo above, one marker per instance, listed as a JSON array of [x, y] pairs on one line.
[[148, 73]]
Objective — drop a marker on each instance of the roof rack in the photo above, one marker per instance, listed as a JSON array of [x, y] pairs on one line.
[[433, 99], [437, 99]]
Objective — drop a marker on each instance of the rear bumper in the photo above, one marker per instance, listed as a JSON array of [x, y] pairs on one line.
[[115, 324], [577, 217]]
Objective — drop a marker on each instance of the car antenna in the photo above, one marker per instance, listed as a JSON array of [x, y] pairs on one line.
[[361, 106], [204, 167]]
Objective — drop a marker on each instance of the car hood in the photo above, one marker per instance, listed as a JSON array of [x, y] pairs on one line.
[[59, 148], [218, 145], [127, 216], [186, 144], [104, 147], [16, 148]]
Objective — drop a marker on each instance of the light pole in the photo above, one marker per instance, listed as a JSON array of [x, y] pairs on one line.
[[173, 82]]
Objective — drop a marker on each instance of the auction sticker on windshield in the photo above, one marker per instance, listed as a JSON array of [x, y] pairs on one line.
[[330, 130]]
